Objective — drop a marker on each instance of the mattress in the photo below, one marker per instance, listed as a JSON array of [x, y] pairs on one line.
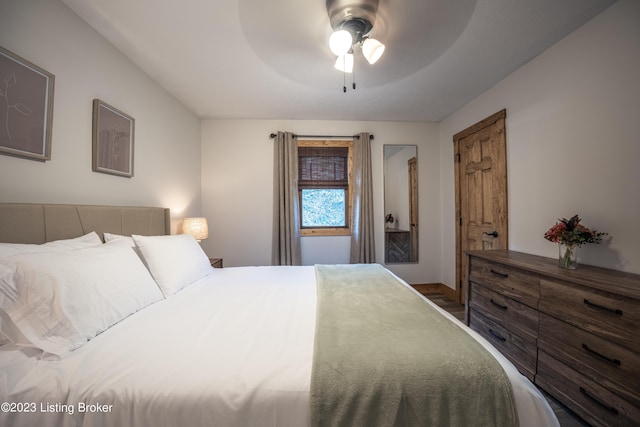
[[234, 348]]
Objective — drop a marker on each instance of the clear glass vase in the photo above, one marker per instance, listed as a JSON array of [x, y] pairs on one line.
[[568, 256]]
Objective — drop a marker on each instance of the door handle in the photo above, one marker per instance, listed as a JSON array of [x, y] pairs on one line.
[[493, 233]]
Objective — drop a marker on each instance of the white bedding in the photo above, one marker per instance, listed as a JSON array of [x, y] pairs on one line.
[[233, 349]]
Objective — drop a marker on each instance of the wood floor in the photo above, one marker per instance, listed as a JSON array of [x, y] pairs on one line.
[[565, 416], [449, 305]]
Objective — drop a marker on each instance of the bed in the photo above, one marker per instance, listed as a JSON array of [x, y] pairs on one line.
[[141, 331]]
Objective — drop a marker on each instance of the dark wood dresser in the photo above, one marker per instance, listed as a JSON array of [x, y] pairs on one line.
[[574, 333], [397, 245]]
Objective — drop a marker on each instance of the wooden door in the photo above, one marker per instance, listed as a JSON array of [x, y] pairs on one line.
[[481, 192], [413, 209]]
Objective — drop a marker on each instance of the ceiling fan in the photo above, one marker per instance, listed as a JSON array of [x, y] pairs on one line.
[[352, 22]]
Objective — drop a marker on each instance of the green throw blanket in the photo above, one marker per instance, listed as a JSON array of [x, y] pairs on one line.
[[384, 357]]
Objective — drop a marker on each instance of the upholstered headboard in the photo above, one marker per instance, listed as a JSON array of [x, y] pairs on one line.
[[40, 223]]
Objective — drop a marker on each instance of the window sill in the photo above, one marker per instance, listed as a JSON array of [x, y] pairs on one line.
[[305, 232]]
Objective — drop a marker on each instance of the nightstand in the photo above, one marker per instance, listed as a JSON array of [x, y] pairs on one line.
[[216, 262]]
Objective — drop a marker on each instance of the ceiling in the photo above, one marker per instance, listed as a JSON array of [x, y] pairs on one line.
[[258, 59]]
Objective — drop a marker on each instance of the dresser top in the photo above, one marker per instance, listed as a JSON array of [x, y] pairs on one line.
[[619, 282]]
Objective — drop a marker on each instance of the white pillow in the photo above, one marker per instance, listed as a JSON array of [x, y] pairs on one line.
[[88, 240], [109, 237], [174, 261], [60, 300]]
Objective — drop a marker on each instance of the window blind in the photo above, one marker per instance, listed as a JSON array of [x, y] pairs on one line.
[[325, 167]]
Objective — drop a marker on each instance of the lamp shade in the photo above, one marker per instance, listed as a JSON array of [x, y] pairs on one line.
[[372, 50], [345, 63], [197, 227], [340, 42]]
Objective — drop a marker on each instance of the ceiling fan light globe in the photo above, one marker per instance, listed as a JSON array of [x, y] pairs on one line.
[[372, 50], [340, 42], [345, 63]]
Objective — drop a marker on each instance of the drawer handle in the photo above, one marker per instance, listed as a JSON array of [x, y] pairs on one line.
[[497, 335], [601, 356], [497, 273], [610, 310], [500, 306], [588, 395]]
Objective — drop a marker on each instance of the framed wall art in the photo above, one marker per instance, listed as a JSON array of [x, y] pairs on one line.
[[26, 108], [113, 133]]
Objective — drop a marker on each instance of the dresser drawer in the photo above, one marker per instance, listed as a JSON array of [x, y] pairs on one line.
[[515, 316], [514, 283], [615, 367], [520, 351], [607, 315], [594, 403]]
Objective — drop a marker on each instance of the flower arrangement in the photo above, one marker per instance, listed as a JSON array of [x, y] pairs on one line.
[[571, 234], [389, 218]]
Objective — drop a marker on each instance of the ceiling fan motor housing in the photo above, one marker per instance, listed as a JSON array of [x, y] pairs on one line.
[[355, 16]]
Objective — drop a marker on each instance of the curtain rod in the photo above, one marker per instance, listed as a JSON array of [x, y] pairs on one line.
[[273, 135]]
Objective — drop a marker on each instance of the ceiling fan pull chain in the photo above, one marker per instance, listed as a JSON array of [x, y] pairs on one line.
[[353, 76], [344, 74]]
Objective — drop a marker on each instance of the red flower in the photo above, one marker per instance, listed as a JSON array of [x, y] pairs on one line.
[[554, 233]]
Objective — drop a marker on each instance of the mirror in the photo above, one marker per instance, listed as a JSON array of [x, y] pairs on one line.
[[400, 203]]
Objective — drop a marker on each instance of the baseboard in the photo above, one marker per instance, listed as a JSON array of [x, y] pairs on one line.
[[435, 288], [427, 288]]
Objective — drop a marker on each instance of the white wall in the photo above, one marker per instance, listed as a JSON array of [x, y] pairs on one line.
[[237, 188], [571, 136], [572, 142], [86, 66]]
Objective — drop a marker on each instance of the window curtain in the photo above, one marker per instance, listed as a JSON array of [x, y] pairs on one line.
[[285, 248], [362, 227]]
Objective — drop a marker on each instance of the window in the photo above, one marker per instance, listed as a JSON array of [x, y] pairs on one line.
[[324, 168]]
